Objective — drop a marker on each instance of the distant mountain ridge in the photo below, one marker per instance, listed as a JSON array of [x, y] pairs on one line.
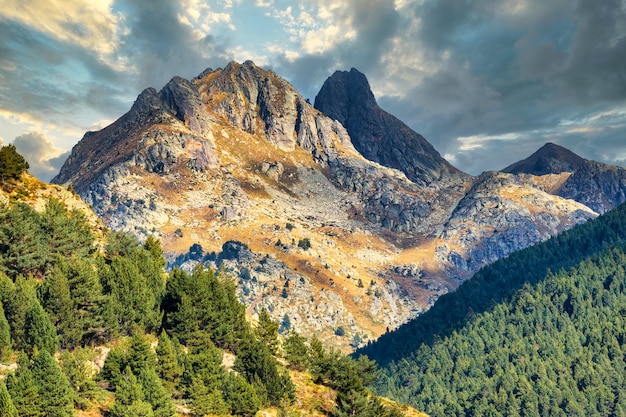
[[599, 186], [358, 226], [549, 159]]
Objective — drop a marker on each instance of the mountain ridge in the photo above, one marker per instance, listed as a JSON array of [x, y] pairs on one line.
[[515, 320], [236, 154], [597, 185]]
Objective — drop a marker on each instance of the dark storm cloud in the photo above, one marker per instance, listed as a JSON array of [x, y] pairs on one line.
[[502, 73], [596, 67]]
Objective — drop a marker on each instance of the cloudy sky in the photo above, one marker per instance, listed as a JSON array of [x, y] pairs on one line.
[[487, 82]]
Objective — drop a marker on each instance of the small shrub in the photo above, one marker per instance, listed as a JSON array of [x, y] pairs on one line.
[[304, 244]]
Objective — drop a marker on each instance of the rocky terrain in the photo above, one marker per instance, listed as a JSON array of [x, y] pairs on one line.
[[340, 220], [598, 186]]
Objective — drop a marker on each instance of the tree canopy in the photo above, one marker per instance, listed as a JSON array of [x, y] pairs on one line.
[[12, 164]]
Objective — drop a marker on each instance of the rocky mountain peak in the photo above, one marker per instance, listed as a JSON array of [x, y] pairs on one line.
[[329, 238], [379, 136], [549, 159], [344, 92]]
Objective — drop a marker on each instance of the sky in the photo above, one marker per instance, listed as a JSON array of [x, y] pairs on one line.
[[487, 82]]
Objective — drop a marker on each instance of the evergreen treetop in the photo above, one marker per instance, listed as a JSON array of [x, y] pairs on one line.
[[12, 164]]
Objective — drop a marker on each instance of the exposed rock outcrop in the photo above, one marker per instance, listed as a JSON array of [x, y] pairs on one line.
[[599, 186]]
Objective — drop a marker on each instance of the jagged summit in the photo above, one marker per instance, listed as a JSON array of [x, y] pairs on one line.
[[549, 159], [379, 136]]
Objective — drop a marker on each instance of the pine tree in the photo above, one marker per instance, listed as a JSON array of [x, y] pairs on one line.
[[129, 398], [129, 298], [12, 164], [256, 363], [152, 265], [204, 302], [205, 401], [58, 303], [140, 356], [7, 408], [297, 353], [5, 335], [56, 397], [76, 368], [113, 367], [17, 300], [168, 366], [23, 389], [39, 332], [204, 361], [352, 403], [240, 396], [155, 394], [120, 244], [66, 234], [22, 245], [267, 331]]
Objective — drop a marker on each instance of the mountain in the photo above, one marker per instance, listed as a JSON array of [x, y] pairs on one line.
[[235, 169], [599, 186], [378, 135], [549, 159], [535, 333]]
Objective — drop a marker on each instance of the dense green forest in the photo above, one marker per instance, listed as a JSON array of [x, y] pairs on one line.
[[539, 333], [63, 293]]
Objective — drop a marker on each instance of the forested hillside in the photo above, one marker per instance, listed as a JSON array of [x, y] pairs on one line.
[[538, 333], [500, 282], [98, 325]]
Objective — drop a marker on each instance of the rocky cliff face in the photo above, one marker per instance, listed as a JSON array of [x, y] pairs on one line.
[[599, 186], [379, 136], [351, 221]]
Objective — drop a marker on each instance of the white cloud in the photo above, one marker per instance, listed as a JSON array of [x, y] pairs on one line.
[[469, 143], [203, 18], [42, 155]]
